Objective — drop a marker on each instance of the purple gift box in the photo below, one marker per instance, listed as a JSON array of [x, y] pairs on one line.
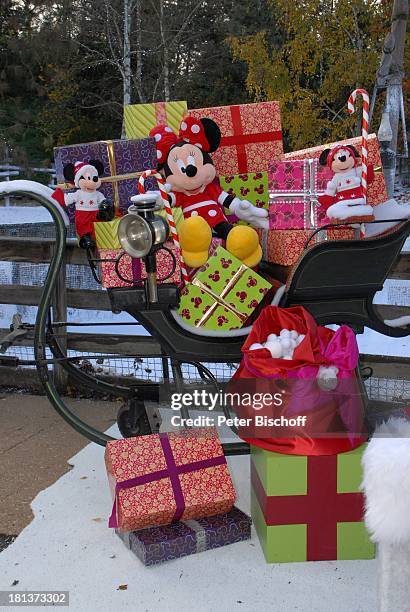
[[122, 159], [158, 544], [294, 186]]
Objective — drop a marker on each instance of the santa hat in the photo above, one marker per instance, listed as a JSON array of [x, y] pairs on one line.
[[331, 156], [80, 168]]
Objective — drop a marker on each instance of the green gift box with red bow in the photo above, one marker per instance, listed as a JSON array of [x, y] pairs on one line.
[[223, 294], [309, 508]]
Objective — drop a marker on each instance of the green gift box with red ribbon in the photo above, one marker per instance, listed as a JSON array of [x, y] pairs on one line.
[[251, 136], [309, 508]]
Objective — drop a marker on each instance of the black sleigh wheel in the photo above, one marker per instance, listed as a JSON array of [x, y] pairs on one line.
[[132, 420]]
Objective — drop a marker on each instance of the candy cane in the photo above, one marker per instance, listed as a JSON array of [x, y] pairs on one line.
[[168, 210], [365, 135]]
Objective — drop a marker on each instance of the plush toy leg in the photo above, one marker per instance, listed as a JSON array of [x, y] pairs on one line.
[[243, 242], [195, 238], [386, 483]]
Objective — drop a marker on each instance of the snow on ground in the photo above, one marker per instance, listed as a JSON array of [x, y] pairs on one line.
[[68, 546]]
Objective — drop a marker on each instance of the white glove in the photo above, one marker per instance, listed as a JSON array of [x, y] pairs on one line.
[[244, 210]]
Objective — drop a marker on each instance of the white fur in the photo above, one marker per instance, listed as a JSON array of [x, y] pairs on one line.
[[341, 210], [386, 482]]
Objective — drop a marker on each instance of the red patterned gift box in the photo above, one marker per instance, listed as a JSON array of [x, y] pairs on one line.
[[377, 192], [167, 477], [294, 186], [111, 262], [284, 247], [165, 265], [251, 136]]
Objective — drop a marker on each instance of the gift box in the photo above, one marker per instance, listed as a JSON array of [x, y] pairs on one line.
[[252, 186], [376, 193], [106, 234], [112, 263], [141, 118], [158, 544], [251, 136], [223, 293], [309, 508], [284, 247], [165, 265], [167, 477], [123, 160], [294, 186]]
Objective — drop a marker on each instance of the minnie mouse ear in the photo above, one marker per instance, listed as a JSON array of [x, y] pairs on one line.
[[323, 157]]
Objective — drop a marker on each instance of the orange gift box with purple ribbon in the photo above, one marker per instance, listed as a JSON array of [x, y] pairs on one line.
[[163, 478]]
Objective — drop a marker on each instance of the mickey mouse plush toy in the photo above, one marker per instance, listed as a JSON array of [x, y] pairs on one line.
[[343, 198], [90, 204], [191, 183]]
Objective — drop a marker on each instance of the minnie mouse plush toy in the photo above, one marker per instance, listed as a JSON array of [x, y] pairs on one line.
[[90, 204], [343, 198], [191, 183]]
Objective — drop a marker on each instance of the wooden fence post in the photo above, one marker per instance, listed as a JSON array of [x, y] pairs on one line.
[[60, 314]]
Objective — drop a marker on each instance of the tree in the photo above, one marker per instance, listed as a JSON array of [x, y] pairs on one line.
[[328, 49]]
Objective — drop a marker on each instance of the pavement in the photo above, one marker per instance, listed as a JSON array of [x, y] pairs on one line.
[[35, 447], [68, 546]]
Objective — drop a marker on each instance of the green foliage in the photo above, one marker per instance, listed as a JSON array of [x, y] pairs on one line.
[[328, 49]]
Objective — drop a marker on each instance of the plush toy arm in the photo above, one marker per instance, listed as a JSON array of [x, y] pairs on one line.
[[64, 199], [244, 210]]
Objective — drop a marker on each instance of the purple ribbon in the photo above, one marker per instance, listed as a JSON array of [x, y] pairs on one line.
[[172, 472]]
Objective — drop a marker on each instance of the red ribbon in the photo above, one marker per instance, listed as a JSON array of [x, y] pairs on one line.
[[321, 509], [172, 472], [240, 140]]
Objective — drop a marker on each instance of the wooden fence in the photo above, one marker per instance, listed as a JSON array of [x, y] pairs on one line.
[[40, 251]]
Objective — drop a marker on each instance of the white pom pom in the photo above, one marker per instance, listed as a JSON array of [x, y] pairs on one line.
[[255, 346], [327, 377], [286, 344], [285, 333], [275, 349], [294, 334], [272, 337]]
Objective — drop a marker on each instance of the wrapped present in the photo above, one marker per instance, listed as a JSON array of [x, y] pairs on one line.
[[284, 247], [252, 186], [167, 477], [114, 264], [123, 162], [165, 265], [158, 544], [106, 234], [294, 186], [309, 508], [141, 118], [222, 294], [377, 192], [251, 136]]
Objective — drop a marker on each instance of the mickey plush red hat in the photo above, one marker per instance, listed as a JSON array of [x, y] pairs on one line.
[[80, 168], [332, 152]]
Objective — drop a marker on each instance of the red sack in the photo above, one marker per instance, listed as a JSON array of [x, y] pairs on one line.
[[334, 419]]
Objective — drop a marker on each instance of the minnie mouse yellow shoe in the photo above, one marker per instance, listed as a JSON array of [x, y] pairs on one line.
[[195, 238], [243, 242]]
